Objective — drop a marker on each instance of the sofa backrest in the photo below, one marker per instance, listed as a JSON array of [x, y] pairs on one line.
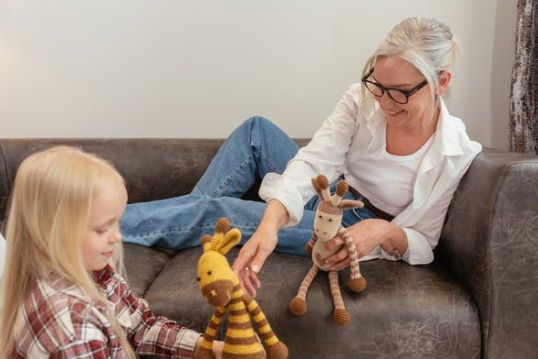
[[152, 168]]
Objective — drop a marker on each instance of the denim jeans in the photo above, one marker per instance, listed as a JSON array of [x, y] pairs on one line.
[[254, 149]]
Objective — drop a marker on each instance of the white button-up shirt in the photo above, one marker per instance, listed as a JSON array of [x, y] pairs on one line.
[[352, 133]]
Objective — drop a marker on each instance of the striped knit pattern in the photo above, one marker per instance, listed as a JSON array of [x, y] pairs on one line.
[[240, 341], [313, 240], [213, 325], [353, 256], [307, 281], [335, 290]]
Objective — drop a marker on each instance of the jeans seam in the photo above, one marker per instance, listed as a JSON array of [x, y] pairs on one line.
[[228, 179], [170, 231]]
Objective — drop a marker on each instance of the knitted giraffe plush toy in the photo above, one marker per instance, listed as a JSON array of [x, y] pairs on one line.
[[328, 224], [220, 287]]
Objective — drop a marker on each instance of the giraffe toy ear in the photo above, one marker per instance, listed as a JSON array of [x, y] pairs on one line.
[[350, 204], [232, 237]]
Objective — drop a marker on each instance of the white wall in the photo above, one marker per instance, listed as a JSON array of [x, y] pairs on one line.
[[180, 68]]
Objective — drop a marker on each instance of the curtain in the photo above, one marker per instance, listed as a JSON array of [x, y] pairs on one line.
[[524, 86]]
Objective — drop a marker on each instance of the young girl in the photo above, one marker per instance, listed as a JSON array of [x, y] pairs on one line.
[[61, 295]]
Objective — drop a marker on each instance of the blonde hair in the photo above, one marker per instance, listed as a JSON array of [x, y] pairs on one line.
[[426, 43], [48, 215]]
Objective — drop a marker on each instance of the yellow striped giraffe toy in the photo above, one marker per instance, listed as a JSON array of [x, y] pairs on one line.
[[328, 224], [220, 287]]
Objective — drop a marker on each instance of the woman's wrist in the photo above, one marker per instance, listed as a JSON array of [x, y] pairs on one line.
[[397, 245], [275, 216]]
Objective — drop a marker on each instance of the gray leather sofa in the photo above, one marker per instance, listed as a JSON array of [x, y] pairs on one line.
[[476, 300]]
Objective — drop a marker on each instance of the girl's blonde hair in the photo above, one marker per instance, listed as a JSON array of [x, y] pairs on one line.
[[48, 216], [426, 43]]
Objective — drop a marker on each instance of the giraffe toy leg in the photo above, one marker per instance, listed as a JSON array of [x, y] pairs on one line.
[[310, 245], [274, 348], [340, 314], [298, 304], [357, 283]]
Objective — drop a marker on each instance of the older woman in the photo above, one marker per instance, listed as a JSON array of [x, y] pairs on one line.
[[390, 136], [393, 139]]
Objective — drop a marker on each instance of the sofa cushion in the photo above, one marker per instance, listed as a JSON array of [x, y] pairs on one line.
[[144, 264], [405, 311]]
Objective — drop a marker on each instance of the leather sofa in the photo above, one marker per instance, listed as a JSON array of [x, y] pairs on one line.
[[476, 300]]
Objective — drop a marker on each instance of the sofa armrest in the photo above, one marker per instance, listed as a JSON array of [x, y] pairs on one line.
[[490, 242]]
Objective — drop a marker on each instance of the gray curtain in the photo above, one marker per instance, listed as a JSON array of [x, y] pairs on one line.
[[524, 91]]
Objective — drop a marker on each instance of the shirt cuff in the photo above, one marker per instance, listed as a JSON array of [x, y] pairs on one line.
[[418, 250], [274, 186], [186, 343]]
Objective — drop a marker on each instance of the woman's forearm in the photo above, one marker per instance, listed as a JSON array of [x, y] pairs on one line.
[[275, 215]]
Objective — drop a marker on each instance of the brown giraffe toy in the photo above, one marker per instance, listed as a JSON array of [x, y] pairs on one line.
[[327, 225]]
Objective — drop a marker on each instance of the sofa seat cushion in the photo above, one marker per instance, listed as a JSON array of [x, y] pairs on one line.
[[143, 265], [405, 311]]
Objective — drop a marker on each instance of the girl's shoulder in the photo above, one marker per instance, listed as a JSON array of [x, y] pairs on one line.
[[58, 299], [59, 302], [56, 313]]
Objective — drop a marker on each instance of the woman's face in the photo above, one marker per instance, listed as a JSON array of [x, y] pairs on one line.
[[393, 72]]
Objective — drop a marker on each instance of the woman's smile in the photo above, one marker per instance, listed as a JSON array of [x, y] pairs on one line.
[[394, 112]]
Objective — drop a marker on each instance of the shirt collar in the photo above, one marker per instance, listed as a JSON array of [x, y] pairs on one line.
[[446, 137], [104, 276], [447, 134], [59, 284]]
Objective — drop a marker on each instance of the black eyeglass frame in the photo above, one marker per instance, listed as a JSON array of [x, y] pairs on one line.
[[384, 89]]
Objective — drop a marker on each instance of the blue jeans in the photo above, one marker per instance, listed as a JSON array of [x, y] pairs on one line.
[[254, 149]]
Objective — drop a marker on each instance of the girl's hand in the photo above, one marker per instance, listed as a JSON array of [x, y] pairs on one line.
[[218, 347], [202, 353]]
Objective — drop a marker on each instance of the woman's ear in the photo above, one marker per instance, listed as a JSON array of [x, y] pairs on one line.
[[444, 81]]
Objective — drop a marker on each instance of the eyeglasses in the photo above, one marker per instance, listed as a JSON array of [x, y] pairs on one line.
[[396, 95]]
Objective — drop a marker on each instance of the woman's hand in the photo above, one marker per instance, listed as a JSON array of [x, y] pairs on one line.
[[253, 254], [366, 234]]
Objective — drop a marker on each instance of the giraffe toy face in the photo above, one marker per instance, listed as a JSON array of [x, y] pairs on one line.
[[327, 222], [216, 279]]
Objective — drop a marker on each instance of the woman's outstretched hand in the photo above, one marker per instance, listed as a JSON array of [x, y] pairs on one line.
[[253, 254], [251, 258]]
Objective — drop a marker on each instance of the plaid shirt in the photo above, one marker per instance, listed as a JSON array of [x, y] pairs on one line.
[[59, 322]]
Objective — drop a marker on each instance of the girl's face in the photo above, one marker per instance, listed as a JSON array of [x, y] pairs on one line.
[[103, 230], [393, 72]]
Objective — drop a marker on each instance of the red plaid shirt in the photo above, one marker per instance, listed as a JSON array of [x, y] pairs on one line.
[[59, 322]]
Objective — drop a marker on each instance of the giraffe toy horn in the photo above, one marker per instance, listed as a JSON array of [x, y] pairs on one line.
[[323, 185], [341, 190]]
